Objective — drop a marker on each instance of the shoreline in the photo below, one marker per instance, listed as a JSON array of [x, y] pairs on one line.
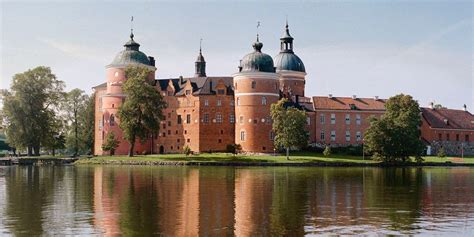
[[270, 164]]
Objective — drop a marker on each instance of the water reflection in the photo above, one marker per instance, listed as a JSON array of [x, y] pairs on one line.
[[210, 201]]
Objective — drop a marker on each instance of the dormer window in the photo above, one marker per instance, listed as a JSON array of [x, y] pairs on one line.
[[221, 92], [188, 92]]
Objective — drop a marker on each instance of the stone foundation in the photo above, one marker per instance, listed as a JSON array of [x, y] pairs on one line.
[[453, 148]]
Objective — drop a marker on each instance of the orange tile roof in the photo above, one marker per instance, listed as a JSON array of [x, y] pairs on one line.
[[348, 103], [456, 119]]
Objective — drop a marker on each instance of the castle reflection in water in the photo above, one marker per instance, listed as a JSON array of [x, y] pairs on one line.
[[226, 201]]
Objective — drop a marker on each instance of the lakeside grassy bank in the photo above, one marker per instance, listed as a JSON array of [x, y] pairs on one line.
[[296, 159]]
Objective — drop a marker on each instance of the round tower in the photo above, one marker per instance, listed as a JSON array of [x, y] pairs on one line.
[[114, 96], [256, 88], [290, 67]]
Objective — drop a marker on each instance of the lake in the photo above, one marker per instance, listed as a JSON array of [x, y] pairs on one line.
[[240, 201]]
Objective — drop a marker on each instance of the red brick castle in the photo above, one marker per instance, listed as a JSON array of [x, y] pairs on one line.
[[208, 113]]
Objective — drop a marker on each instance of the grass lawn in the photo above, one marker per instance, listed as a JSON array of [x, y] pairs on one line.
[[295, 157]]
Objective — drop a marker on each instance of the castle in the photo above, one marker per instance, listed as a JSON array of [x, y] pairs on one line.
[[207, 113]]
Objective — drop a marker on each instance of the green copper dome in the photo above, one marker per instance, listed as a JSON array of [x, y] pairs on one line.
[[130, 56], [287, 60], [257, 61]]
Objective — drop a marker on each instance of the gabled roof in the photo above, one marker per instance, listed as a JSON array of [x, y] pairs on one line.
[[348, 103], [201, 85], [100, 85], [448, 118]]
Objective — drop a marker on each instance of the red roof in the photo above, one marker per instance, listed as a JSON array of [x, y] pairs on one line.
[[348, 103], [448, 118]]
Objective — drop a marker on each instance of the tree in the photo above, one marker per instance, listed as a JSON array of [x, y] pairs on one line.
[[234, 148], [396, 135], [289, 126], [29, 106], [441, 153], [74, 105], [187, 150], [86, 119], [327, 151], [141, 112], [111, 143]]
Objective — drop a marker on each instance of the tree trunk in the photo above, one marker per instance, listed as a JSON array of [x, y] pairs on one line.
[[29, 151], [36, 150], [132, 147], [288, 153], [54, 152]]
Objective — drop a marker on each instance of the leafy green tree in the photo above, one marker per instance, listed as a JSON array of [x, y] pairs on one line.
[[396, 135], [74, 106], [187, 150], [289, 126], [141, 112], [441, 153], [29, 106], [86, 119], [111, 143], [327, 151]]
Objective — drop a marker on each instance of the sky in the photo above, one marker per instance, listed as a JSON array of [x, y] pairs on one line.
[[366, 48]]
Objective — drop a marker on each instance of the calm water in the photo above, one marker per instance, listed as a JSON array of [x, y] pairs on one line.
[[223, 201]]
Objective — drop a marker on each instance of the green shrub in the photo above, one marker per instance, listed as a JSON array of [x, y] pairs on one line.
[[234, 149], [441, 153], [187, 150], [327, 151]]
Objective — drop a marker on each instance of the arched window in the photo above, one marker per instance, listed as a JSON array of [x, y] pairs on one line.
[[238, 101], [112, 120], [272, 136], [254, 84], [264, 100]]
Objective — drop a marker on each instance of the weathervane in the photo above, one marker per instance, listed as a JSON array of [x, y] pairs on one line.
[[258, 26], [200, 45], [131, 28]]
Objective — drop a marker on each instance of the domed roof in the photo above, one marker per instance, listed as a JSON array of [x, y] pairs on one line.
[[289, 61], [257, 61], [131, 55]]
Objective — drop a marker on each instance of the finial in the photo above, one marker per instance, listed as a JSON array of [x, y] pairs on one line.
[[200, 45], [286, 21], [131, 28]]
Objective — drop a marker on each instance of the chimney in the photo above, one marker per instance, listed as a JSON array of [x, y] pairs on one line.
[[330, 96], [464, 107], [376, 97], [152, 60], [354, 97], [446, 121], [431, 105]]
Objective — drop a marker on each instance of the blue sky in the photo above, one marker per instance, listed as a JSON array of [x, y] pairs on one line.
[[366, 48]]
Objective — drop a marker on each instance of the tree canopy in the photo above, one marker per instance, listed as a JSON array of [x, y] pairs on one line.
[[396, 135], [77, 114], [141, 113], [289, 125], [29, 109]]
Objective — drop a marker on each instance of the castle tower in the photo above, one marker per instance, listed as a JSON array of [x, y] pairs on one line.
[[114, 96], [200, 65], [256, 88], [290, 67]]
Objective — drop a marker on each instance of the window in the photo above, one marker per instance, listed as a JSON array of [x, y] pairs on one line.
[[236, 86], [188, 92], [358, 120], [264, 100], [232, 118], [219, 102], [440, 136], [218, 117], [188, 118], [222, 132], [322, 118], [221, 91], [358, 136], [238, 101], [164, 125], [457, 137], [322, 136], [164, 134], [348, 136], [112, 120], [348, 119], [241, 119], [232, 103], [169, 123], [333, 135], [206, 118], [100, 103], [220, 140], [466, 138], [254, 84], [206, 102], [169, 132], [180, 120], [447, 136], [333, 118], [269, 119], [308, 120], [272, 136], [242, 135]]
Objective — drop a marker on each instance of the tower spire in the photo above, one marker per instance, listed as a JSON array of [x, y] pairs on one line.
[[200, 63]]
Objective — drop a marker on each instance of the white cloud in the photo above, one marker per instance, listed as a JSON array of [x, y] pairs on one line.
[[78, 50]]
